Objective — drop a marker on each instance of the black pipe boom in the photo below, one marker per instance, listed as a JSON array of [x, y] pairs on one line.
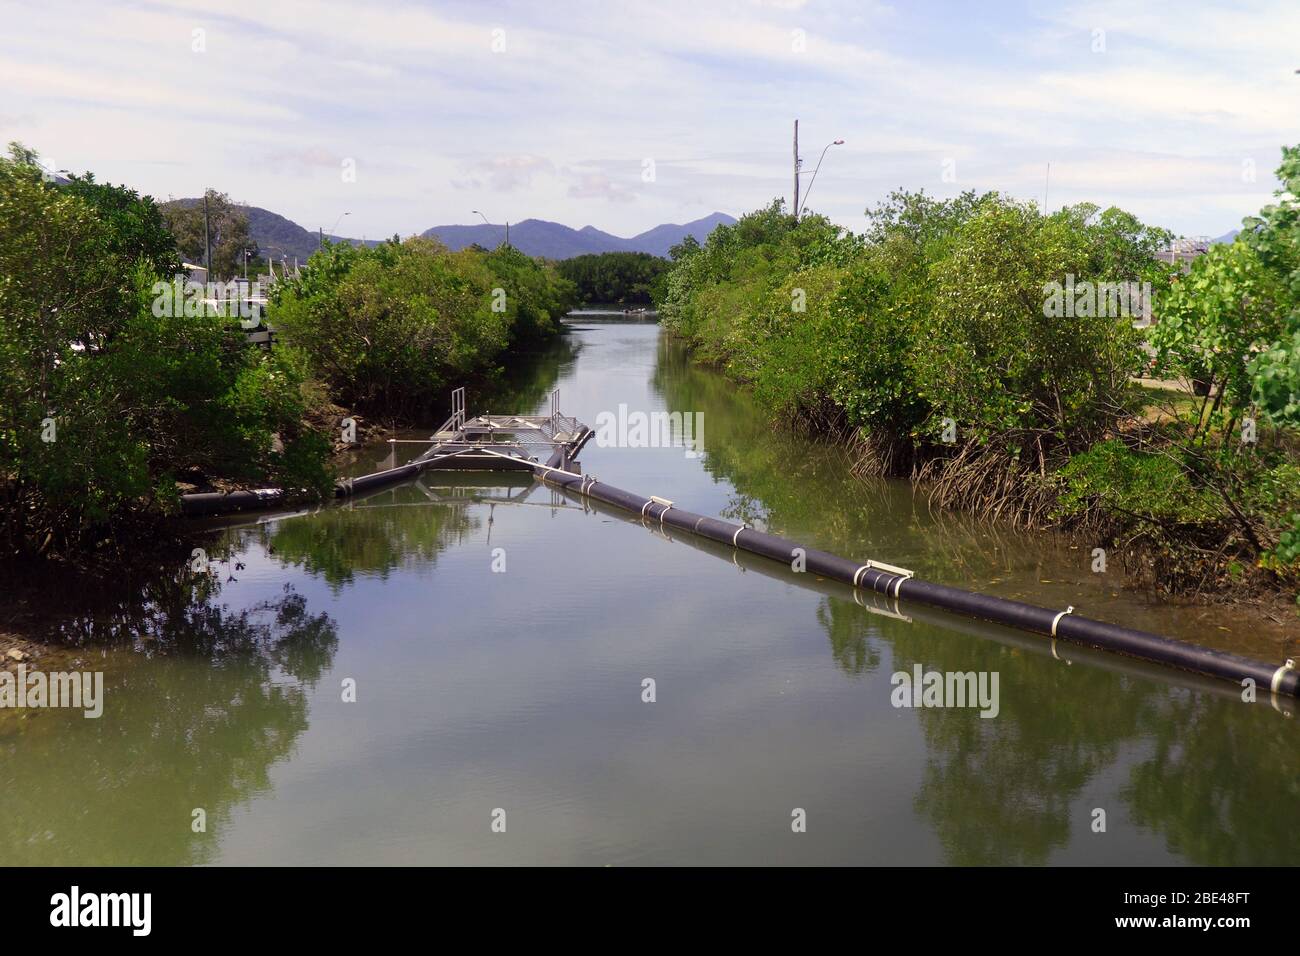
[[900, 583]]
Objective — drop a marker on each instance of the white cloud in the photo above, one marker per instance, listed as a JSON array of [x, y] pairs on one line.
[[561, 120]]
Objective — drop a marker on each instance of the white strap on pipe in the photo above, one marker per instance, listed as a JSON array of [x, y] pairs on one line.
[[1057, 620], [737, 535], [858, 573], [1280, 673]]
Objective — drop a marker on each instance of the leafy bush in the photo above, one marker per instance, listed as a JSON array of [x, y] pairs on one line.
[[938, 311], [1275, 381], [1217, 317], [1149, 486], [386, 328]]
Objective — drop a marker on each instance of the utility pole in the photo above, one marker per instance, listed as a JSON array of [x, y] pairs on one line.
[[207, 240], [507, 233], [1046, 185], [796, 170]]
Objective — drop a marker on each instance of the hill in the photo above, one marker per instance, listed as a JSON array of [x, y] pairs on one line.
[[538, 237], [280, 237]]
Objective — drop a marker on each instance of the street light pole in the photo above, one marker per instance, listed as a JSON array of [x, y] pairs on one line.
[[838, 142], [320, 241], [488, 224]]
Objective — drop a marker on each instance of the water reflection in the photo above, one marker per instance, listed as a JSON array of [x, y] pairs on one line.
[[1196, 744], [392, 529], [195, 718]]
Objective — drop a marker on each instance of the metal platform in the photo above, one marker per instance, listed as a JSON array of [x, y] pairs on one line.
[[500, 442]]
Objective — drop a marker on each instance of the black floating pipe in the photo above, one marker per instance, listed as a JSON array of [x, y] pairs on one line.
[[900, 583], [986, 630]]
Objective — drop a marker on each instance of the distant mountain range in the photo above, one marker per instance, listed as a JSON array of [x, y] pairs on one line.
[[283, 238], [537, 237]]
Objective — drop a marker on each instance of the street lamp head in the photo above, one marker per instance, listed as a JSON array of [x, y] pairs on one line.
[[838, 142]]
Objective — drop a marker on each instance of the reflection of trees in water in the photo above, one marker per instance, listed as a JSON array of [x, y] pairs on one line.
[[746, 510], [1222, 782], [196, 719], [853, 636], [1001, 790], [526, 383], [396, 528]]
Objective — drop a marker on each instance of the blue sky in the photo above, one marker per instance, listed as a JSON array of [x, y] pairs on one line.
[[562, 110]]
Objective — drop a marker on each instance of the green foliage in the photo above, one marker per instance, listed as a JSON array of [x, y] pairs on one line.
[[991, 352], [1274, 234], [1275, 494], [136, 229], [1152, 487], [1275, 237], [1287, 552], [103, 401], [387, 328], [538, 295], [937, 311], [1215, 318], [227, 233], [1275, 381], [619, 277]]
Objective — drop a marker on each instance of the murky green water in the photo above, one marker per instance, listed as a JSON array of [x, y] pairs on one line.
[[521, 690]]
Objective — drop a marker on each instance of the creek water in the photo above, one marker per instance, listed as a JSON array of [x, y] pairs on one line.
[[499, 637]]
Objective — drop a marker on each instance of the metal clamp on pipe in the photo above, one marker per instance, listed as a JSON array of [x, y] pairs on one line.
[[1281, 672], [656, 500], [902, 574], [1057, 620]]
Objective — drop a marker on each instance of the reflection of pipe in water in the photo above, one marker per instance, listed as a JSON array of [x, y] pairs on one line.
[[895, 582]]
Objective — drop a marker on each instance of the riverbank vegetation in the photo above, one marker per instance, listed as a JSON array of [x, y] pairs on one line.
[[112, 402], [388, 328], [105, 405], [618, 278], [989, 353]]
